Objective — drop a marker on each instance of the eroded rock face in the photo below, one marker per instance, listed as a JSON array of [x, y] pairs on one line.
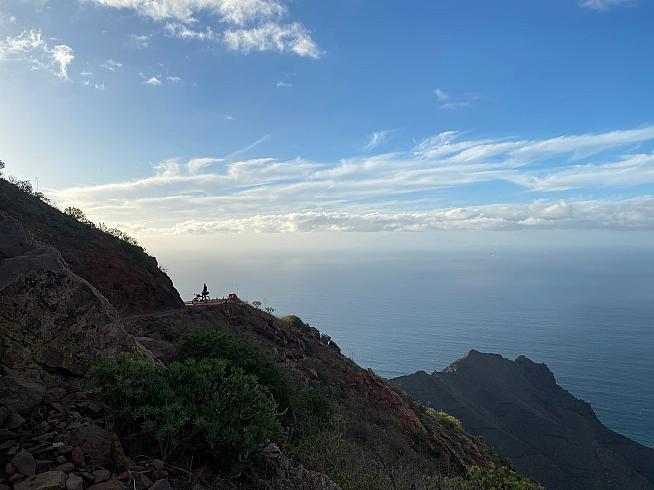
[[548, 433], [52, 322]]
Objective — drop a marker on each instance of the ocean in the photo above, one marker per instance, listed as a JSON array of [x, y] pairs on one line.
[[588, 315]]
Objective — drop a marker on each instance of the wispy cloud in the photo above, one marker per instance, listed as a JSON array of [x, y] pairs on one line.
[[30, 46], [282, 84], [604, 4], [111, 65], [449, 102], [377, 138], [381, 191], [271, 36], [141, 41], [153, 82], [250, 25]]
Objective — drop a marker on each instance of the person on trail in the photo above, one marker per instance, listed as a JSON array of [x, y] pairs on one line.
[[205, 292]]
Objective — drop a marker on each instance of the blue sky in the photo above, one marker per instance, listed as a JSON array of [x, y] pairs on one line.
[[214, 116]]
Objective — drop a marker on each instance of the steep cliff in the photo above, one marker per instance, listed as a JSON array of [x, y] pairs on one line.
[[519, 410], [129, 278]]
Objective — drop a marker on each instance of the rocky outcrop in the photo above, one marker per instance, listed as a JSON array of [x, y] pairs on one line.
[[550, 435], [124, 274], [52, 322]]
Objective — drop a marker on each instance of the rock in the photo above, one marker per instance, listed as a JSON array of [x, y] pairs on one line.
[[39, 296], [77, 456], [74, 482], [16, 477], [50, 480], [4, 416], [108, 485], [24, 463], [66, 467], [159, 474], [6, 435], [19, 393], [101, 475], [95, 442], [161, 485], [15, 421], [162, 350], [140, 482]]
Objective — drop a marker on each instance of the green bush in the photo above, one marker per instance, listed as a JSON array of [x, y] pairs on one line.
[[241, 354], [312, 411], [294, 321], [499, 478], [204, 407]]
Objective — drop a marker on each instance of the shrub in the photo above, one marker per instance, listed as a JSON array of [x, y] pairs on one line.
[[499, 478], [312, 411], [445, 419], [243, 355], [205, 407], [294, 321]]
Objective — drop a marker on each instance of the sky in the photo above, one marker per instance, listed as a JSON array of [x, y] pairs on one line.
[[185, 118]]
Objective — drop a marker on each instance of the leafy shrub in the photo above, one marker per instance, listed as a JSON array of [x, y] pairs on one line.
[[199, 406], [312, 411], [241, 354], [294, 321], [499, 478], [445, 419]]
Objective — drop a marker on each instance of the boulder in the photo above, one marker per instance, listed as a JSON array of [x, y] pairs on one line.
[[53, 323], [94, 442], [74, 482], [162, 350], [50, 480], [24, 463], [19, 392]]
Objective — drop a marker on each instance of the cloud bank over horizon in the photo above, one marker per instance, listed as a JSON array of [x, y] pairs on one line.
[[581, 181]]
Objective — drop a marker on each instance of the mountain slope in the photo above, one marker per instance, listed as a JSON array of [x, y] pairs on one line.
[[128, 277], [519, 410]]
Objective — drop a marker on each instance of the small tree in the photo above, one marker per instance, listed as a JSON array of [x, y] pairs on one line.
[[257, 304], [2, 166]]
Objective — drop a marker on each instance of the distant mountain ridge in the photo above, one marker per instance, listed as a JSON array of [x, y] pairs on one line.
[[520, 411]]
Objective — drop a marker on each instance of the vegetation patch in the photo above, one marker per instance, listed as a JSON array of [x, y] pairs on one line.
[[204, 407]]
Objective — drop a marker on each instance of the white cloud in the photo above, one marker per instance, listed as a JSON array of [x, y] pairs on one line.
[[153, 81], [441, 95], [181, 31], [31, 47], [99, 86], [272, 36], [604, 4], [449, 102], [174, 79], [111, 65], [377, 138], [86, 73], [252, 25], [391, 184], [282, 84], [228, 117], [141, 41]]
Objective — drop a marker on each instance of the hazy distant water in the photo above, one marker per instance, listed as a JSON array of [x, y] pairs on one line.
[[589, 316]]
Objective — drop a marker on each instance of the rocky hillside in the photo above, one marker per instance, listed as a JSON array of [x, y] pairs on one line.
[[125, 275], [334, 425], [518, 408]]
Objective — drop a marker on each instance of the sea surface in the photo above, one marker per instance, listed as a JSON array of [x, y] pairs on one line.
[[588, 315]]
